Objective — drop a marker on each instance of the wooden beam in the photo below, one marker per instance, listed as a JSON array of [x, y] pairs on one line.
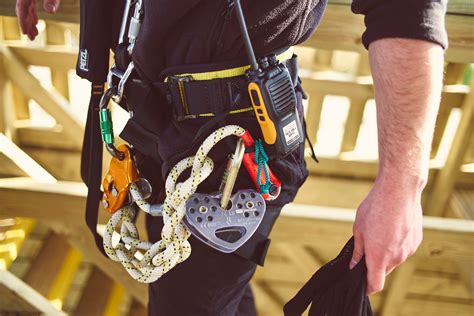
[[11, 29], [339, 17], [47, 263], [137, 309], [55, 57], [55, 36], [54, 104], [22, 290], [396, 292], [51, 138], [267, 304], [62, 209], [326, 191], [302, 224], [23, 161], [444, 183], [62, 164], [95, 294], [68, 10], [353, 123]]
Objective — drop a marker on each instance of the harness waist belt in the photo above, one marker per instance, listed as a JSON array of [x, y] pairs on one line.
[[191, 98]]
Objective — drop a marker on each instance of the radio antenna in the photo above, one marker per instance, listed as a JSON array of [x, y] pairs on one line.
[[245, 35]]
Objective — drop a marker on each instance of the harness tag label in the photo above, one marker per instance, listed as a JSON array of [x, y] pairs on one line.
[[291, 133], [84, 60]]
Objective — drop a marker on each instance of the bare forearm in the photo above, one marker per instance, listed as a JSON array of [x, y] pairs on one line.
[[408, 80]]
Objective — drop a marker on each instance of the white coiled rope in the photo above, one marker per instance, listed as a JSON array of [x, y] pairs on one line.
[[173, 248]]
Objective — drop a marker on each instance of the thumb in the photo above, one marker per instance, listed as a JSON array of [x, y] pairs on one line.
[[358, 252], [51, 6]]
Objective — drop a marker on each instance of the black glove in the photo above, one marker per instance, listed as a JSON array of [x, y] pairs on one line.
[[334, 290]]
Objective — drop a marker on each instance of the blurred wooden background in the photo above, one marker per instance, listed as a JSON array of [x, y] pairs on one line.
[[48, 260]]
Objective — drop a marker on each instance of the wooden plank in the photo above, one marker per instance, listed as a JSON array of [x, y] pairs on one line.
[[54, 104], [47, 263], [20, 103], [398, 289], [64, 277], [68, 10], [50, 138], [115, 301], [62, 164], [62, 208], [55, 36], [27, 294], [11, 29], [352, 126], [23, 161], [420, 306], [60, 58], [341, 29], [443, 237], [326, 191], [137, 309], [444, 183], [9, 169], [95, 294], [454, 73], [436, 285], [266, 301], [359, 170]]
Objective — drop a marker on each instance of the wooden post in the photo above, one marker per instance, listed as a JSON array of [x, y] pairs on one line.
[[94, 295], [398, 289], [445, 181], [47, 263], [55, 36], [352, 126]]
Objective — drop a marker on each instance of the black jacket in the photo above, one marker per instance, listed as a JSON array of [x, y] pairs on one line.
[[181, 32]]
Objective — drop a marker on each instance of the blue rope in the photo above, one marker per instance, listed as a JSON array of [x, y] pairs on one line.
[[261, 160]]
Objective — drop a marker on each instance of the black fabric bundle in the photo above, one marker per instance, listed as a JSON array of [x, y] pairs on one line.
[[334, 290]]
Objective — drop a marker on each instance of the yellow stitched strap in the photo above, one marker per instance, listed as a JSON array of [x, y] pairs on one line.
[[232, 72], [231, 112]]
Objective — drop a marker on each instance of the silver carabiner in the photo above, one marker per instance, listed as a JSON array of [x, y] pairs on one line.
[[121, 85]]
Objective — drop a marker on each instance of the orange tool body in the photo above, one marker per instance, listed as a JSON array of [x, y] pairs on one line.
[[118, 179]]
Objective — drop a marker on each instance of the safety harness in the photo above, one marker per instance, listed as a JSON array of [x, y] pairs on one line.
[[191, 95]]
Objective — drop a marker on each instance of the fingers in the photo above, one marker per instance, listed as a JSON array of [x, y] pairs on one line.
[[358, 252], [23, 14], [51, 6], [375, 277], [26, 13]]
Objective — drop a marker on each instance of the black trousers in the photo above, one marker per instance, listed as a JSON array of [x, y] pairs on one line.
[[208, 283]]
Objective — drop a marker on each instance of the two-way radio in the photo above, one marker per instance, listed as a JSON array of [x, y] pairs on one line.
[[273, 98]]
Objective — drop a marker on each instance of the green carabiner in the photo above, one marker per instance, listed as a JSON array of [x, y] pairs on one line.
[[106, 124]]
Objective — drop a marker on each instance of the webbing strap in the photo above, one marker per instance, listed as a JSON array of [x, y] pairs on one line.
[[91, 162], [232, 72]]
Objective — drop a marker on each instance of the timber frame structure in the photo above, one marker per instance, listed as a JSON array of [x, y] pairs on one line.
[[49, 262]]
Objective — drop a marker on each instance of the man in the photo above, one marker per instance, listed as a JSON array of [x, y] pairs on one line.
[[405, 39]]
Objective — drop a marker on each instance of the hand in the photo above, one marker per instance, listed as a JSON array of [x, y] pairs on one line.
[[28, 17], [388, 228]]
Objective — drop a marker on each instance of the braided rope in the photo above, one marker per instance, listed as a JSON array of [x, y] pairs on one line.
[[144, 261]]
